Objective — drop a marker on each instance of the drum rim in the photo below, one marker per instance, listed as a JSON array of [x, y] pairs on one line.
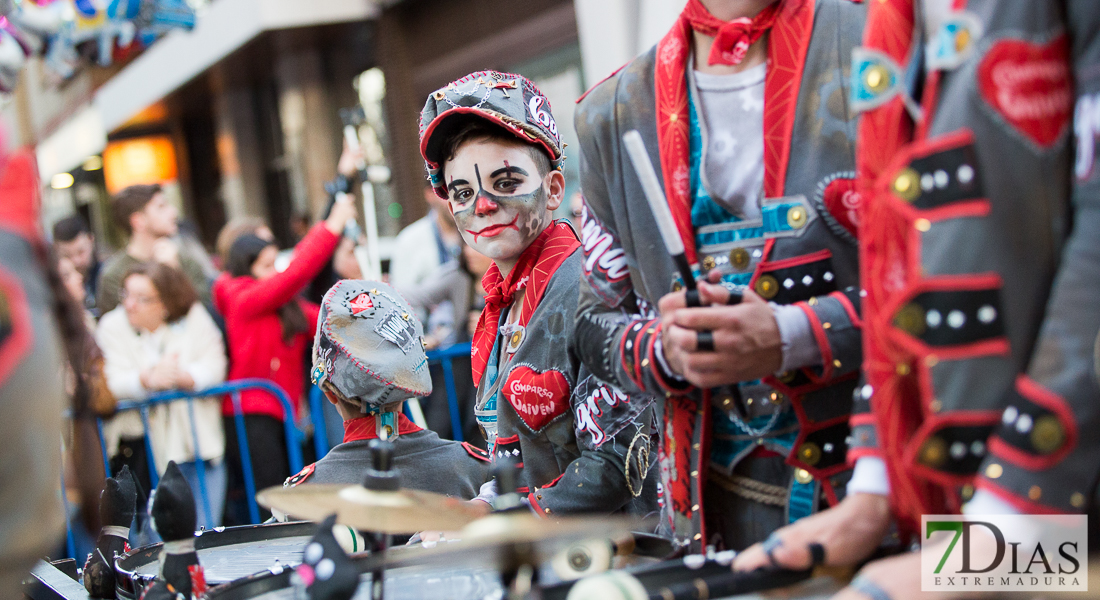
[[129, 583]]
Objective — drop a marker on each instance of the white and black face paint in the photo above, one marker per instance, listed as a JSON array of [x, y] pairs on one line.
[[498, 198]]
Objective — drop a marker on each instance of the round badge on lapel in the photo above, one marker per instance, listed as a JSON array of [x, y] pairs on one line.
[[708, 263], [514, 340]]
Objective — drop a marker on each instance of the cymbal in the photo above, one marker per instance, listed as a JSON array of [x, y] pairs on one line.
[[499, 540], [396, 512]]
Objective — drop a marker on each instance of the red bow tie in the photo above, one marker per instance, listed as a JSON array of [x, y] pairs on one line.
[[731, 38]]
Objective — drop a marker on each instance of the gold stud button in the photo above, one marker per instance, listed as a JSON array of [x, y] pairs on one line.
[[739, 259], [786, 376], [767, 287], [677, 286], [1077, 500], [933, 452], [708, 263], [877, 78], [809, 453], [994, 471], [907, 185], [967, 492], [910, 319], [803, 476], [776, 398], [935, 406], [922, 224], [1035, 492], [902, 369], [727, 400], [1047, 434], [796, 217]]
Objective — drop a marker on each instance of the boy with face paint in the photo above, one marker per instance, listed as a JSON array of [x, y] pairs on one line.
[[493, 151]]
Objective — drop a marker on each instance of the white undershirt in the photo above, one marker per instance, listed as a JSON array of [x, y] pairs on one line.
[[732, 120]]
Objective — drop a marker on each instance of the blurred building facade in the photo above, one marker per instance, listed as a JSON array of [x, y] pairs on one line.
[[242, 115]]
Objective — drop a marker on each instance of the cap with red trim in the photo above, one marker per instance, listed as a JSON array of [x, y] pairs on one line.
[[506, 99]]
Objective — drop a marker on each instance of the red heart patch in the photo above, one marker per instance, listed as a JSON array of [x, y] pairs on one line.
[[842, 201], [1029, 85], [538, 398], [361, 303]]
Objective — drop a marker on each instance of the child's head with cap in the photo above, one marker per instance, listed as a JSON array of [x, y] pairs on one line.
[[368, 352], [492, 148]]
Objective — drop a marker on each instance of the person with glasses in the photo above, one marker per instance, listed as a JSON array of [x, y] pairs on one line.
[[161, 338]]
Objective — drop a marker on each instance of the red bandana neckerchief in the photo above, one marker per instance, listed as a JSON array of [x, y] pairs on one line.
[[731, 38], [364, 428], [787, 44], [533, 270], [791, 28]]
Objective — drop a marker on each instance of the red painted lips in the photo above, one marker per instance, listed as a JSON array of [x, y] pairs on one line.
[[494, 230]]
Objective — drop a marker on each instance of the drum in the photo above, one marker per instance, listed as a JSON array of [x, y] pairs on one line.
[[401, 583], [225, 554], [462, 577]]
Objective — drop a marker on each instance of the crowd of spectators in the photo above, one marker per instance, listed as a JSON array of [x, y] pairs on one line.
[[164, 318]]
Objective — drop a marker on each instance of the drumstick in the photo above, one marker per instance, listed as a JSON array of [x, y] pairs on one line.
[[651, 187]]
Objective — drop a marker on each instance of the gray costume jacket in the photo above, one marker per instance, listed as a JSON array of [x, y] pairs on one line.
[[583, 446], [981, 254], [807, 255], [425, 462]]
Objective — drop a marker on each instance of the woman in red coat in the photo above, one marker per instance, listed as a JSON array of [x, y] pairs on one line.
[[269, 328]]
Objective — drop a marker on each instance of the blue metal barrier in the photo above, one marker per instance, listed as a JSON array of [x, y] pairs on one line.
[[233, 389], [444, 356]]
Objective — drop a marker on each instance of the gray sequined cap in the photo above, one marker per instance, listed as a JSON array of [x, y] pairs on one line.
[[368, 345], [508, 100]]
